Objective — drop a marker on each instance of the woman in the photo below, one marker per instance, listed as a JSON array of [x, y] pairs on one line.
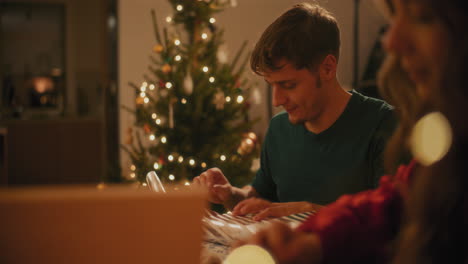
[[428, 49]]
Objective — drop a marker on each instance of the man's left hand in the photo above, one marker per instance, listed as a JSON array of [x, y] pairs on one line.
[[265, 209]]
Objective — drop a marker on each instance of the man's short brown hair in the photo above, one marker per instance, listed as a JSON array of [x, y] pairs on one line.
[[304, 35]]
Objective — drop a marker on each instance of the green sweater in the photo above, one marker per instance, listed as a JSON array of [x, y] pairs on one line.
[[298, 165]]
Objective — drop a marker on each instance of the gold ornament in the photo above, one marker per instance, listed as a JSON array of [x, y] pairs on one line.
[[247, 144], [218, 100], [158, 48], [139, 100], [166, 68]]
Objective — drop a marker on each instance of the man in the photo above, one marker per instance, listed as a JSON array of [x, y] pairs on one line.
[[327, 143]]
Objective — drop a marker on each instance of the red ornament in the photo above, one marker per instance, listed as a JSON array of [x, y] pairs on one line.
[[147, 128], [161, 160]]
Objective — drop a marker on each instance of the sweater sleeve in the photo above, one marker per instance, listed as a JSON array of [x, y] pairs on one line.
[[358, 227]]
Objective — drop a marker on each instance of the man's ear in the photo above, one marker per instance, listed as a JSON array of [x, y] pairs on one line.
[[327, 68]]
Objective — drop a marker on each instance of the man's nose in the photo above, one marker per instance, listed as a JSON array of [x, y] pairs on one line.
[[278, 97]]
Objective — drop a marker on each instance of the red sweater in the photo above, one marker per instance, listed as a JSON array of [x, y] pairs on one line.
[[359, 227]]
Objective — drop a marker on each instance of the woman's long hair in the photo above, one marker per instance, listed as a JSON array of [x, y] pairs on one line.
[[436, 212]]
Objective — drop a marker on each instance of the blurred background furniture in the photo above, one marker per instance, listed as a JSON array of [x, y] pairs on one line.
[[58, 151]]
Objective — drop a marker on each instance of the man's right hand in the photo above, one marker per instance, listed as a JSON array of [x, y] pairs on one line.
[[219, 189]]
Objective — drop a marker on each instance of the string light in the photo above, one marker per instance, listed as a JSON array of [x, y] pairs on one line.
[[163, 139], [211, 79], [152, 137], [240, 99], [180, 159], [171, 177], [144, 84], [156, 166], [151, 87], [228, 99], [170, 158], [143, 88], [222, 157], [132, 167], [205, 69], [187, 183], [168, 19], [183, 101], [192, 162], [179, 8], [132, 175], [249, 141], [146, 100], [158, 121], [203, 165], [143, 184], [142, 94], [252, 135], [154, 116], [178, 58], [177, 42], [212, 20], [168, 85], [204, 36]]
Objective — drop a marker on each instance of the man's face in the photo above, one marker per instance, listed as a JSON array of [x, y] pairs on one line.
[[299, 92]]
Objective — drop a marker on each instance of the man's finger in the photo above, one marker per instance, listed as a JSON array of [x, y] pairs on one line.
[[268, 212]]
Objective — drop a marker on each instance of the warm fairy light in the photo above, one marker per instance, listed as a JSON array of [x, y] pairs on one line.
[[168, 85], [142, 95], [177, 42], [132, 167], [179, 8], [212, 20], [192, 162], [249, 141], [143, 88], [228, 99], [178, 58], [187, 183], [152, 137], [203, 165], [211, 79], [252, 135], [163, 139], [156, 166], [183, 101], [154, 115], [171, 177], [144, 184], [204, 36], [144, 84], [146, 100], [205, 69], [168, 19], [151, 87], [222, 157], [158, 121], [132, 175], [180, 159], [170, 158], [251, 253], [424, 147], [240, 99]]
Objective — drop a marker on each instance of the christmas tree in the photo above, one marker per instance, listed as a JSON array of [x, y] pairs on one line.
[[192, 109]]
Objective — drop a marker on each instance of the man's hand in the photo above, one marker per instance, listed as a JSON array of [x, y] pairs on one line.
[[287, 246], [219, 189], [265, 209]]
